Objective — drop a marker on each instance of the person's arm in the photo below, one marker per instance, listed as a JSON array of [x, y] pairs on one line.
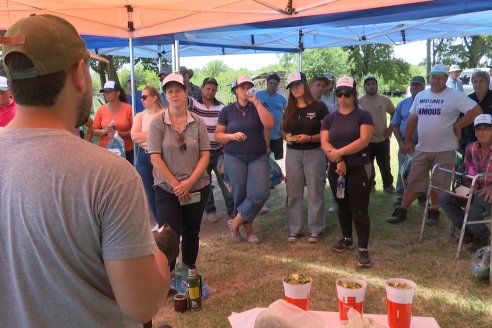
[[466, 120], [326, 146], [266, 117], [89, 133], [221, 136], [411, 126], [366, 131], [140, 285], [137, 135], [390, 109], [267, 139]]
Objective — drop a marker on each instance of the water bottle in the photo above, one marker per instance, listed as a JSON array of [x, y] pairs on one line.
[[112, 124], [341, 186], [194, 290], [251, 92]]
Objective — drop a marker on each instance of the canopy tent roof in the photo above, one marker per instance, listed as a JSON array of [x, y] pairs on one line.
[[435, 19], [156, 17], [244, 39]]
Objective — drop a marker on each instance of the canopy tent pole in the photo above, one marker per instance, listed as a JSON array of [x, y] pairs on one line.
[[159, 49], [131, 29], [175, 56], [301, 49]]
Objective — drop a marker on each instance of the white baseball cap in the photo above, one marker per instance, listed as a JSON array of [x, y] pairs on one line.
[[294, 78], [4, 85], [454, 68], [173, 77], [244, 79], [345, 82], [109, 85], [439, 69], [483, 120]]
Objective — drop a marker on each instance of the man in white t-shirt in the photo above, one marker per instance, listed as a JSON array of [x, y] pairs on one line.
[[434, 114]]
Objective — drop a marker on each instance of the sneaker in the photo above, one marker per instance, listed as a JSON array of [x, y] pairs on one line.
[[364, 259], [389, 189], [477, 244], [314, 238], [342, 244], [399, 215], [293, 237], [212, 217], [264, 209], [432, 217]]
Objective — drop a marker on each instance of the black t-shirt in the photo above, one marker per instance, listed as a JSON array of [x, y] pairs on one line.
[[468, 132], [306, 120], [246, 120], [345, 129]]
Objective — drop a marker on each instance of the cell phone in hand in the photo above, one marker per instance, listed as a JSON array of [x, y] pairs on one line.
[[194, 198]]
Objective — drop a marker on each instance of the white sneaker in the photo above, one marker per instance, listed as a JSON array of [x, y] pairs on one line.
[[212, 217], [264, 210]]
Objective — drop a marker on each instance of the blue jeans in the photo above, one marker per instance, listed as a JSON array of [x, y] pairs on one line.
[[144, 168], [454, 208], [249, 177], [212, 166]]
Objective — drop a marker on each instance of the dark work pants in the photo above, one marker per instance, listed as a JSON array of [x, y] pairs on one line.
[[354, 206], [381, 152], [184, 220]]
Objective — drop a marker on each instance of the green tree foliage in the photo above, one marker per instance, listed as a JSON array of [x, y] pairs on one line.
[[467, 52], [378, 59], [328, 60]]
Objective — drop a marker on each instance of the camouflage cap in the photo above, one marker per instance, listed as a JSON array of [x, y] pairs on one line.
[[50, 42]]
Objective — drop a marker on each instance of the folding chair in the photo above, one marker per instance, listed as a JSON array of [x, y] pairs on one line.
[[468, 196]]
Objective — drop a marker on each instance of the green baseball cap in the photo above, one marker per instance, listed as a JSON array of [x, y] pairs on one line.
[[50, 42]]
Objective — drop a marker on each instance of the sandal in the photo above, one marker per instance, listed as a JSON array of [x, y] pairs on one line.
[[236, 237], [253, 239]]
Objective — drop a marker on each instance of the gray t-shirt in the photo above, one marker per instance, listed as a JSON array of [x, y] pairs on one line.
[[66, 207], [181, 160]]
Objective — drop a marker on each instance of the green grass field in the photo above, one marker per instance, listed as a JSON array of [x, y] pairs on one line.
[[244, 276]]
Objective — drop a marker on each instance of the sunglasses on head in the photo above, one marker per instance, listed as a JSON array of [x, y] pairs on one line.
[[182, 142], [344, 94]]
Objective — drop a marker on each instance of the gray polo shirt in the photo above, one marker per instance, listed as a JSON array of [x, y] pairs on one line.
[[165, 140]]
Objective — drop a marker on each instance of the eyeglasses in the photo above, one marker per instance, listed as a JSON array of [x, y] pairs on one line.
[[182, 142], [144, 97], [344, 94]]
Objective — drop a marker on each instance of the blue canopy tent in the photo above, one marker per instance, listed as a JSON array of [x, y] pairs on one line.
[[388, 25]]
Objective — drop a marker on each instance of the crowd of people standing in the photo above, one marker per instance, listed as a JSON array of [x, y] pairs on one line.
[[329, 133]]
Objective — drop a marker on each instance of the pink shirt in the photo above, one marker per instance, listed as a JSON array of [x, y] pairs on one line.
[[7, 113]]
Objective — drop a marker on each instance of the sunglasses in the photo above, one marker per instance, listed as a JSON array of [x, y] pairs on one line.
[[344, 94], [182, 142], [144, 97]]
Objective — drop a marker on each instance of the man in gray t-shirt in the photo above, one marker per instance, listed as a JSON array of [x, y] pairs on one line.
[[77, 249]]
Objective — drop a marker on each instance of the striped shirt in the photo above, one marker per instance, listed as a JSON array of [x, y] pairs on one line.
[[210, 116]]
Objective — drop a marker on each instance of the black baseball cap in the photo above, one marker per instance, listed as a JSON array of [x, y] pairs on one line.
[[208, 80]]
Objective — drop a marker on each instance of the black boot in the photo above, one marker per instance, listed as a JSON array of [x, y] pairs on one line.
[[400, 214]]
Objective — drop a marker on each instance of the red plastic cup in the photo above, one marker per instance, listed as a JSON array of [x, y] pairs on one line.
[[350, 297], [399, 302], [298, 295]]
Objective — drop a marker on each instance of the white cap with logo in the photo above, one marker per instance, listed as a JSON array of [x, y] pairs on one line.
[[483, 120]]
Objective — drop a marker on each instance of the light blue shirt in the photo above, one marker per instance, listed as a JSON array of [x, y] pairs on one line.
[[400, 118], [454, 84], [275, 104]]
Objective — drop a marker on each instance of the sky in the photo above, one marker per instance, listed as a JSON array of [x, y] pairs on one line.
[[412, 52]]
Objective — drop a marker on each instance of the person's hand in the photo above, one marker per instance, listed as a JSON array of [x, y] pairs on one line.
[[238, 136], [486, 193], [167, 241], [268, 150], [334, 155], [110, 130], [303, 138], [290, 138], [183, 188], [341, 168], [409, 147], [387, 133]]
